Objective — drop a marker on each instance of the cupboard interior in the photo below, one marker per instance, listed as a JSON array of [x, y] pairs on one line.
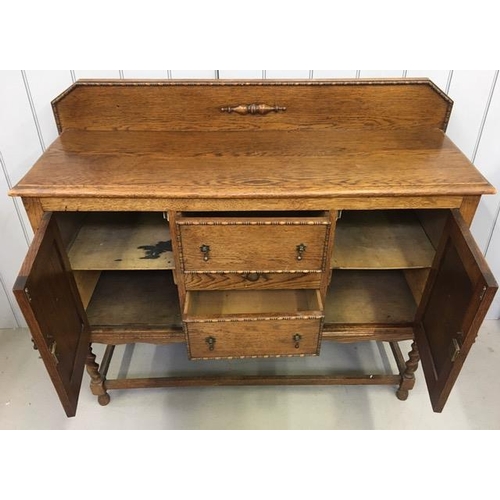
[[117, 240], [122, 263], [123, 266], [380, 264]]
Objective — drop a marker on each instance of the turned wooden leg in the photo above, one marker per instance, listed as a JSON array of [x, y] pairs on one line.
[[97, 381], [408, 376]]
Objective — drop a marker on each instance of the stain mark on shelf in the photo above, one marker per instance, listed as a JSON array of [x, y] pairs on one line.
[[154, 251]]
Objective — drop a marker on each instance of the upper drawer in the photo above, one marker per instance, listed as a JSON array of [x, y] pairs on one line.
[[253, 242]]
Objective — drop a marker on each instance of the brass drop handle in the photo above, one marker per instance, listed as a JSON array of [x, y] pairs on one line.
[[211, 343], [300, 251], [205, 250], [297, 338]]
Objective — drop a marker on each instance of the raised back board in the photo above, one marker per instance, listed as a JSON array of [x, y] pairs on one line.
[[170, 105]]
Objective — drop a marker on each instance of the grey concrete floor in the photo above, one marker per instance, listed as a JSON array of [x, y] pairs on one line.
[[28, 401]]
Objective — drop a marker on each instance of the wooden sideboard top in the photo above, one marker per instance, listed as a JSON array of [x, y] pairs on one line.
[[114, 142], [252, 164]]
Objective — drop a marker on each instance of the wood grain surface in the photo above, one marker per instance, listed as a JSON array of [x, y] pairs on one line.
[[48, 296], [458, 294], [196, 105], [113, 241], [135, 300], [254, 339], [391, 239], [262, 248], [256, 164], [369, 297], [251, 304], [262, 281]]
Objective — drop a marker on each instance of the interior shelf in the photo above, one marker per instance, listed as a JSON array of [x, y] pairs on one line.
[[138, 299], [369, 297], [122, 241], [381, 239]]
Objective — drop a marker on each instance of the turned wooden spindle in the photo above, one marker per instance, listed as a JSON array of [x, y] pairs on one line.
[[408, 381], [97, 386]]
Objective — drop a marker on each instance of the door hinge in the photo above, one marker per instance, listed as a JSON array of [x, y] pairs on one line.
[[483, 293], [53, 351], [454, 350], [27, 292]]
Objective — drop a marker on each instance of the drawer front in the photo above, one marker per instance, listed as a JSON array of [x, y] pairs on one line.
[[261, 281], [240, 339], [253, 247]]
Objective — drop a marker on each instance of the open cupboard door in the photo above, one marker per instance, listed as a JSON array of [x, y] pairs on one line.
[[46, 292], [460, 290]]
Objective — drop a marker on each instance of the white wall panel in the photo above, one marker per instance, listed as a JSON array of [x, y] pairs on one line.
[[334, 73], [381, 73], [20, 147], [470, 90], [287, 73], [20, 144], [44, 87], [14, 245], [241, 73], [92, 73], [488, 162], [438, 76], [7, 319], [493, 257], [154, 73], [189, 73], [19, 141]]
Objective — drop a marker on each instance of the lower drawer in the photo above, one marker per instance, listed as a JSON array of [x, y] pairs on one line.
[[258, 338], [241, 281]]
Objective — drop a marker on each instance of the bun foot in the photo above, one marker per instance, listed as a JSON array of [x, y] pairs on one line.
[[103, 399], [402, 395]]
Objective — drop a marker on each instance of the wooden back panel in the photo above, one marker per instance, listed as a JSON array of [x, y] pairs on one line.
[[196, 105]]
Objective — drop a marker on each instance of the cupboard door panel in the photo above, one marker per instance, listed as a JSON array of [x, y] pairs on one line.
[[46, 292], [458, 295]]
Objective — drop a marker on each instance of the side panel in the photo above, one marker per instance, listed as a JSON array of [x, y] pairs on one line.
[[48, 297]]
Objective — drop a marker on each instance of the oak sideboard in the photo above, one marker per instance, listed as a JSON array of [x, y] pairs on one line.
[[250, 219]]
